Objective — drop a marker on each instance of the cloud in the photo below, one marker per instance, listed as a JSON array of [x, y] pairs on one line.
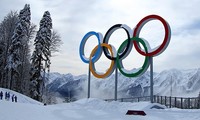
[[193, 27], [73, 19], [6, 7]]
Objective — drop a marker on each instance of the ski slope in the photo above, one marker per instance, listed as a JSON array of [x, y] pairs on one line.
[[89, 109], [20, 97]]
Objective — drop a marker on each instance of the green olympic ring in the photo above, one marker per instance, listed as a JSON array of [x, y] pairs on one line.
[[134, 73]]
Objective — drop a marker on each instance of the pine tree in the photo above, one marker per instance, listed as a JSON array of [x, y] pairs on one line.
[[1, 62], [25, 18], [7, 28], [15, 52], [41, 56]]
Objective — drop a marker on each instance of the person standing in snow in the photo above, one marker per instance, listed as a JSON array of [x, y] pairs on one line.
[[15, 98], [6, 95], [1, 95]]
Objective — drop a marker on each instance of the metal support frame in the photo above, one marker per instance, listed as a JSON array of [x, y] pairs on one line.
[[151, 79], [89, 77], [116, 82]]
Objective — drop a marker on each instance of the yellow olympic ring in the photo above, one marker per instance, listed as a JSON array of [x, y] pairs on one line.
[[92, 67]]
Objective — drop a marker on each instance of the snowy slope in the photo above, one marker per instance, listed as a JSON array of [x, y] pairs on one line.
[[20, 97], [91, 109], [183, 83]]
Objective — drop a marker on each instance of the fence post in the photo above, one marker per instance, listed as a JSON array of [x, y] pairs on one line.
[[154, 98], [198, 102], [181, 103], [161, 100], [165, 100], [195, 103], [170, 102], [175, 102], [188, 103], [157, 99]]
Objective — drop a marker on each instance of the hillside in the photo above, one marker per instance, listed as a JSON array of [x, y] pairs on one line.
[[20, 97]]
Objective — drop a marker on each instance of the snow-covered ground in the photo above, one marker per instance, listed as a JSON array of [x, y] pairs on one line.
[[20, 97], [89, 109]]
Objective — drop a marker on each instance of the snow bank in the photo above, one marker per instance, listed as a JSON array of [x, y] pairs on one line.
[[91, 109], [20, 97]]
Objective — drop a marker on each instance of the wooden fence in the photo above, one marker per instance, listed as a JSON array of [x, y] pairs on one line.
[[178, 102]]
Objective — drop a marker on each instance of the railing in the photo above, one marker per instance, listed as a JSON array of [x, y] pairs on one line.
[[178, 102], [132, 99]]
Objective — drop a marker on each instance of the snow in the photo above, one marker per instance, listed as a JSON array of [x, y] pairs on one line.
[[89, 109], [20, 98]]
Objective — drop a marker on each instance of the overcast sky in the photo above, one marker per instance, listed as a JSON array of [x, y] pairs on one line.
[[74, 18]]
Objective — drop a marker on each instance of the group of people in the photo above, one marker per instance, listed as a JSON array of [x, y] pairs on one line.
[[7, 96]]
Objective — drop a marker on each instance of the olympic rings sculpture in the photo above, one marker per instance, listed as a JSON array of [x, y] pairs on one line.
[[124, 49]]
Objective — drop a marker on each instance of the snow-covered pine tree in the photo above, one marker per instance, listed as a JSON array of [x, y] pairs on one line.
[[2, 45], [41, 56], [24, 17], [15, 57], [7, 28]]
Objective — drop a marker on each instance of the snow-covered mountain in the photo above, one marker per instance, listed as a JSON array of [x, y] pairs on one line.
[[169, 82]]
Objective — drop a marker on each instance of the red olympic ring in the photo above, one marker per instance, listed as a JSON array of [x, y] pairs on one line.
[[165, 42]]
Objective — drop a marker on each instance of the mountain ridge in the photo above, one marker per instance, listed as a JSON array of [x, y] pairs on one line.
[[171, 82]]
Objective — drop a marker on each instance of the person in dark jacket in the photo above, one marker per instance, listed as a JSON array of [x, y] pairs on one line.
[[1, 95], [6, 95], [15, 98]]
